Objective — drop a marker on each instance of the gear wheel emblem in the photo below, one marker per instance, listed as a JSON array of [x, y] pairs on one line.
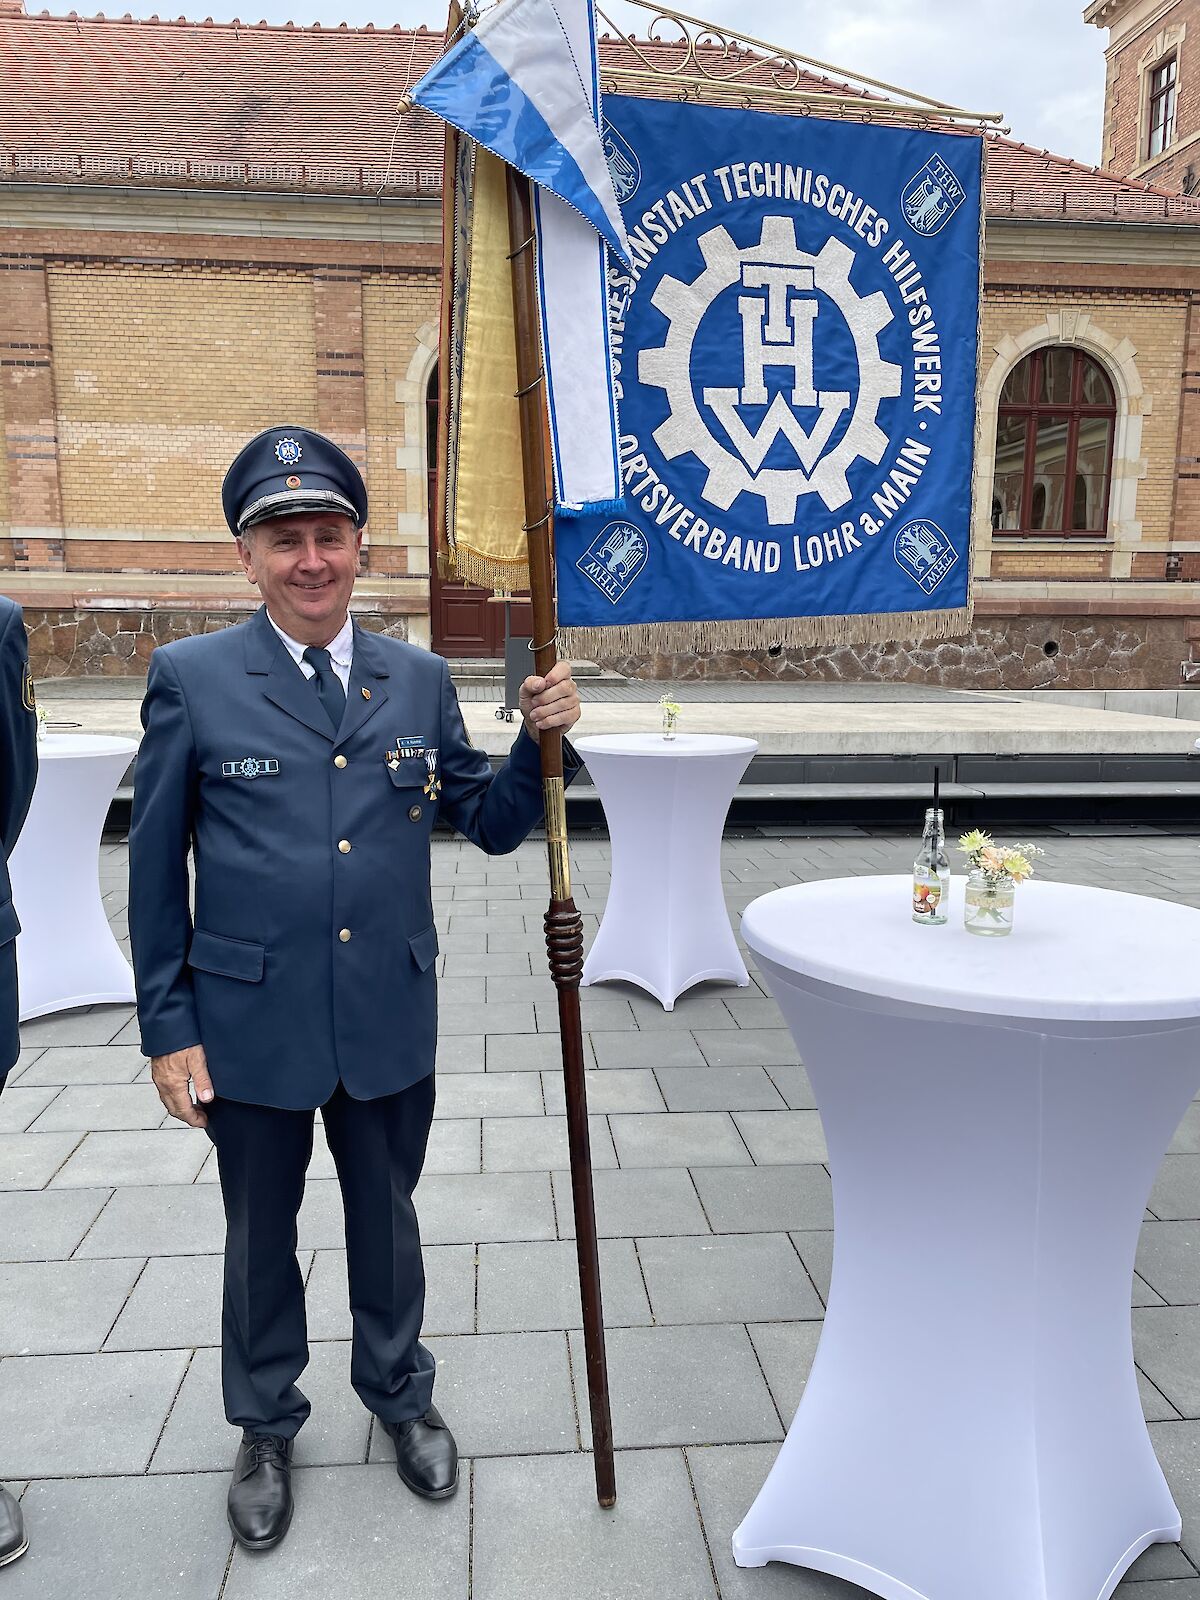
[[668, 367]]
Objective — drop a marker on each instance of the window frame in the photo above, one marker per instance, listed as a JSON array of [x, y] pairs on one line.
[[1031, 412], [1158, 94]]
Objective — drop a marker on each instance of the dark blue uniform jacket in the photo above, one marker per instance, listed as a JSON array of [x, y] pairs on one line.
[[18, 773], [311, 953]]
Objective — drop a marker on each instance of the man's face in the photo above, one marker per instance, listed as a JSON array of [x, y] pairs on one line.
[[305, 566]]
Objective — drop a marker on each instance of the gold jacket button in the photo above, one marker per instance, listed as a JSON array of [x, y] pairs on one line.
[[344, 936], [414, 813], [344, 846], [339, 761]]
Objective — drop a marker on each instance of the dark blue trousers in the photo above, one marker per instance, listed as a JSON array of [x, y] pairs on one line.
[[263, 1153]]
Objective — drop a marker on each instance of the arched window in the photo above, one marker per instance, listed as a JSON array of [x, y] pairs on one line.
[[1054, 445]]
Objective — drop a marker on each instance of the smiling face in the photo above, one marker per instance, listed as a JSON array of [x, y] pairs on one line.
[[304, 566]]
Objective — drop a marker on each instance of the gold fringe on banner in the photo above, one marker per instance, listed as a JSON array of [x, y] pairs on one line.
[[760, 633], [487, 499]]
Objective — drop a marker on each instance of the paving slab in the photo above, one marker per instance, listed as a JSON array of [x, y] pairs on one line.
[[502, 1394], [62, 1307], [530, 1287], [679, 1139], [768, 1199], [104, 1538], [539, 1144], [90, 1025], [489, 1094], [79, 1064], [726, 1479], [676, 1386], [166, 1220], [540, 1534], [474, 1207], [1166, 1345], [20, 1107], [122, 1160], [705, 1088], [1168, 1259], [1176, 1193], [755, 1047], [616, 1089], [785, 1352], [90, 1108], [463, 1052], [30, 1160], [647, 1050], [530, 1052], [83, 1415], [635, 1204], [358, 1534], [748, 1277], [782, 1138], [454, 1145], [46, 1224]]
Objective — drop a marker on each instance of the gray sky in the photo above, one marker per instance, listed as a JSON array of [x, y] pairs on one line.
[[1033, 60]]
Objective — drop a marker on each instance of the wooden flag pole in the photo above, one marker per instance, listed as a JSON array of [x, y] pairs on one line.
[[564, 925]]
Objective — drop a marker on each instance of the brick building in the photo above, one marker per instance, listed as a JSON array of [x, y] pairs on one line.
[[204, 228]]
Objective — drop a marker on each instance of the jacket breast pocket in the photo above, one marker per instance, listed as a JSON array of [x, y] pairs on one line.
[[9, 926], [227, 958], [410, 772]]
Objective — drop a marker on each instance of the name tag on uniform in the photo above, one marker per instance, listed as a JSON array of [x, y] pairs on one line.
[[250, 767]]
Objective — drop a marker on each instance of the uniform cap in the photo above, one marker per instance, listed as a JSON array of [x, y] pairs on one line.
[[287, 469]]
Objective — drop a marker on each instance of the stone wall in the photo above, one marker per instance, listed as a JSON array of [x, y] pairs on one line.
[[1042, 652], [117, 644]]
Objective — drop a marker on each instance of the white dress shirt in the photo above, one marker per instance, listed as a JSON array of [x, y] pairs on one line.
[[340, 647]]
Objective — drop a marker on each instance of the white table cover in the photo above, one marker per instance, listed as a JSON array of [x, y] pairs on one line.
[[995, 1112], [666, 926], [66, 954]]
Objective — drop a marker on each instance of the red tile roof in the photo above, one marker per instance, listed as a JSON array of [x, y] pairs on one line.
[[96, 99]]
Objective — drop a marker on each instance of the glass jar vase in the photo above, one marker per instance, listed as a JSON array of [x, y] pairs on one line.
[[988, 907], [670, 718]]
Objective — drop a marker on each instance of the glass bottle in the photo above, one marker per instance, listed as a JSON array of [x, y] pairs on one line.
[[931, 873]]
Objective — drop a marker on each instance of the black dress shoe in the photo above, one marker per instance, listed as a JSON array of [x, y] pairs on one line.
[[426, 1454], [13, 1539], [260, 1496]]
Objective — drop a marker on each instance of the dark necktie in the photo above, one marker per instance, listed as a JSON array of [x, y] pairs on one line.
[[327, 683]]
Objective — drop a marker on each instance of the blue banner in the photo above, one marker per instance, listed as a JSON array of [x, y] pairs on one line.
[[796, 345]]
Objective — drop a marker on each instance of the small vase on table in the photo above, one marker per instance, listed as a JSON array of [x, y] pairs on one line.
[[988, 907], [670, 716]]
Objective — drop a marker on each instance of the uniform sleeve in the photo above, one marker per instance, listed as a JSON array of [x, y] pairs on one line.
[[160, 920], [495, 810], [18, 731]]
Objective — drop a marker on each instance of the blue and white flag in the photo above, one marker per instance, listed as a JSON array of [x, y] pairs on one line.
[[796, 371], [524, 83]]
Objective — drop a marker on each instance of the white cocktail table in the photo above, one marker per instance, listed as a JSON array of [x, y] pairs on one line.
[[995, 1111], [66, 953], [665, 926]]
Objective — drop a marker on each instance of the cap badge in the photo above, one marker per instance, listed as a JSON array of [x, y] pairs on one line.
[[288, 451], [293, 482]]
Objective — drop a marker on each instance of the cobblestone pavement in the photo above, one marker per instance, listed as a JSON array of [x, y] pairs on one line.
[[714, 1205]]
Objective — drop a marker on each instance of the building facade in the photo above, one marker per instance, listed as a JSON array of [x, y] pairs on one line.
[[180, 268]]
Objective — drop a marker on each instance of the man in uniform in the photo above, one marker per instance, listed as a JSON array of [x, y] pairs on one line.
[[18, 772], [304, 761]]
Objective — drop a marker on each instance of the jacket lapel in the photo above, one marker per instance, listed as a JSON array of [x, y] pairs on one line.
[[368, 684], [285, 686]]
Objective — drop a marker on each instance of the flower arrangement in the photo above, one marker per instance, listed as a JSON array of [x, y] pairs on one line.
[[670, 716], [998, 863]]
